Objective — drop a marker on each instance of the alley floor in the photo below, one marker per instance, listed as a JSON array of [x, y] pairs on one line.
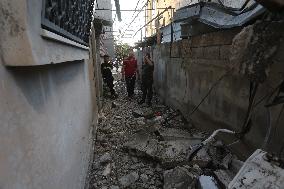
[[147, 147]]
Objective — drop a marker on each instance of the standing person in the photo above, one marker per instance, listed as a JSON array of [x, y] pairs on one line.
[[129, 70], [106, 68], [147, 80]]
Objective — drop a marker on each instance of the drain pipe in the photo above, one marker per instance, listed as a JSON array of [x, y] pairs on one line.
[[196, 148], [211, 138]]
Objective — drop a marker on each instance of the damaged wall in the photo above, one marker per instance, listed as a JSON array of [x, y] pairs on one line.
[[183, 79]]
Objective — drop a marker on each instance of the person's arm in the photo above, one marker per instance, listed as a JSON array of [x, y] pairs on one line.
[[137, 70], [123, 71], [148, 61]]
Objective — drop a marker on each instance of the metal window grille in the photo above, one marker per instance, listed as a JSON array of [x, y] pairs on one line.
[[68, 18]]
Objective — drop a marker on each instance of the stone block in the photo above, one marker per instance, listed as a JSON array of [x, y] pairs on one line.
[[179, 178], [224, 37], [128, 180]]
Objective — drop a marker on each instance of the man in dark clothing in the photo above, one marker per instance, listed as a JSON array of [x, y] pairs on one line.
[[106, 68], [147, 80], [129, 70]]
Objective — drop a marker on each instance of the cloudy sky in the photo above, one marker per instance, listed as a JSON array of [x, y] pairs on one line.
[[127, 18]]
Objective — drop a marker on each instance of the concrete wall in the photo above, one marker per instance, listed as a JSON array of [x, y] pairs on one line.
[[45, 123], [103, 14], [21, 34], [48, 111], [185, 72]]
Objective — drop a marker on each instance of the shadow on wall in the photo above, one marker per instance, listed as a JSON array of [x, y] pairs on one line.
[[37, 83]]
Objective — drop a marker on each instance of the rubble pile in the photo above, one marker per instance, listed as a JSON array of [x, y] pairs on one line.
[[138, 147]]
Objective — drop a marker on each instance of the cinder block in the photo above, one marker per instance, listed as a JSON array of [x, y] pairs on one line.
[[224, 37], [185, 48]]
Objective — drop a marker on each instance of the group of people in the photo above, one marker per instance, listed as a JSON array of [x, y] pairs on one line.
[[130, 73]]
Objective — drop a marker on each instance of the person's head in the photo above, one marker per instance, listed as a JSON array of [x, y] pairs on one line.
[[148, 55], [131, 53], [106, 58]]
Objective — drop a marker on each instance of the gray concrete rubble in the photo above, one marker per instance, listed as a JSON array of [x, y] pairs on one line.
[[179, 178], [134, 149]]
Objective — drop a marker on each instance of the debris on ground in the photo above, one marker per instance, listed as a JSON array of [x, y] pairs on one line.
[[135, 149]]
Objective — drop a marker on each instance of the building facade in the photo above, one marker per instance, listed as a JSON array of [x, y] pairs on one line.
[[47, 95]]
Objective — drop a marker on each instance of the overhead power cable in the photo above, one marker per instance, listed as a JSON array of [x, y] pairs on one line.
[[136, 15], [166, 9]]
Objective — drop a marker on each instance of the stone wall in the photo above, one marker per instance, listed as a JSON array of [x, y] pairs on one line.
[[185, 71]]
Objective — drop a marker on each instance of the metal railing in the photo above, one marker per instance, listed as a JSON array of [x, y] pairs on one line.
[[68, 18]]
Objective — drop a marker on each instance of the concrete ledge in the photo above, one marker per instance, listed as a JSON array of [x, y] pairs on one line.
[[52, 36]]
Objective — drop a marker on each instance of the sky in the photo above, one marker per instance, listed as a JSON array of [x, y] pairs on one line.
[[127, 17]]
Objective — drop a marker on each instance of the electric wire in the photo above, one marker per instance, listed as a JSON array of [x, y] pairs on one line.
[[209, 91], [140, 10]]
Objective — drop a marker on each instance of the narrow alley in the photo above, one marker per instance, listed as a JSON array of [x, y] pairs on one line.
[[147, 147], [142, 94]]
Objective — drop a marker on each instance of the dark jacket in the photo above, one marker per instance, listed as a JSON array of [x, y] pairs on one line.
[[106, 70], [147, 72]]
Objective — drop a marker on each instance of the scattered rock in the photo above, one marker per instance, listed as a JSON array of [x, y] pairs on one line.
[[152, 147], [168, 153], [139, 122], [106, 158], [129, 179], [114, 105], [179, 178], [114, 187], [144, 178], [107, 170], [117, 117], [137, 113], [177, 134], [202, 158], [236, 165], [226, 161]]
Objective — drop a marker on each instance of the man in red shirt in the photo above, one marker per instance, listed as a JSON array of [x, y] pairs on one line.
[[129, 71]]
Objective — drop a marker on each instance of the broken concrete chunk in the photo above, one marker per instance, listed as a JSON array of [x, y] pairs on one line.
[[226, 161], [114, 104], [179, 178], [114, 187], [144, 178], [207, 182], [172, 134], [202, 158], [117, 117], [173, 153], [107, 170], [168, 153], [129, 179], [137, 113], [106, 158], [236, 165], [224, 177]]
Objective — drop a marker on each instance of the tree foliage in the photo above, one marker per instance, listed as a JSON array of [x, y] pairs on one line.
[[121, 50]]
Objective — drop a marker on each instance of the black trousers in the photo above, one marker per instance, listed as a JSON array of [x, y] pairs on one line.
[[130, 85], [147, 90], [109, 82]]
